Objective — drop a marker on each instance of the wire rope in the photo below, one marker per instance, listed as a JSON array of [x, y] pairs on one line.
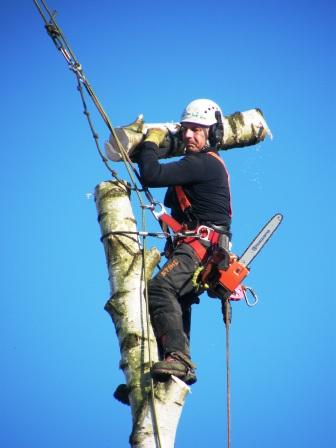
[[62, 45]]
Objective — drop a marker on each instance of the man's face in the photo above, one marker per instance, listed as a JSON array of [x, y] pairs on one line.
[[194, 136]]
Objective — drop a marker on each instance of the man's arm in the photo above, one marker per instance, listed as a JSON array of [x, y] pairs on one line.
[[154, 174]]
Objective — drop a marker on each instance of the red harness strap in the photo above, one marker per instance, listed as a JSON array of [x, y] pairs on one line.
[[182, 198], [193, 242], [183, 201], [216, 156], [202, 232]]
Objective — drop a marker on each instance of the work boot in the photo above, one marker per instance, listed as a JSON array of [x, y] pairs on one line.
[[177, 364], [121, 394]]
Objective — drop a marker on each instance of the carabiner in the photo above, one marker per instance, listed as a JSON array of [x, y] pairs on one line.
[[253, 293], [160, 212]]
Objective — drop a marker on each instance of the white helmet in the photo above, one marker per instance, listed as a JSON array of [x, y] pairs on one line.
[[201, 112]]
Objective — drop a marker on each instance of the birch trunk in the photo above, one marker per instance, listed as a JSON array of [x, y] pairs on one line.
[[240, 129], [127, 307]]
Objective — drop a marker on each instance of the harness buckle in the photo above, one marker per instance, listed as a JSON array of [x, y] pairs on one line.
[[204, 233], [160, 212]]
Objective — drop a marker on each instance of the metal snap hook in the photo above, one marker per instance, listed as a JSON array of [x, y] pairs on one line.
[[254, 295], [160, 209]]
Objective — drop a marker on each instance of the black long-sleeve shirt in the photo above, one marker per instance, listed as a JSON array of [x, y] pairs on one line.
[[204, 179]]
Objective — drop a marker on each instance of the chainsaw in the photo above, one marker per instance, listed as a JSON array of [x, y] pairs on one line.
[[223, 273]]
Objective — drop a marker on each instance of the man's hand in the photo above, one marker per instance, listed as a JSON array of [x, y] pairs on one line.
[[156, 135], [136, 126]]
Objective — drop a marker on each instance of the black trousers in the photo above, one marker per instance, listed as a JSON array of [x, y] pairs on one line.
[[170, 295]]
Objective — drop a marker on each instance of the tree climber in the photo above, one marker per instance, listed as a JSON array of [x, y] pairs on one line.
[[199, 197]]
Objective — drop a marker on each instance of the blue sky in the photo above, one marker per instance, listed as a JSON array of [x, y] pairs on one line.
[[58, 350]]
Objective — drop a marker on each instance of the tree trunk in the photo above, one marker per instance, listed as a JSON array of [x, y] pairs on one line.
[[240, 129], [154, 424]]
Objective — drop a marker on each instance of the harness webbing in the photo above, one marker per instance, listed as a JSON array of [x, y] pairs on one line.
[[216, 156], [182, 198]]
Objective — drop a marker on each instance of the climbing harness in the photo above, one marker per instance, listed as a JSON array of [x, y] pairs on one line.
[[200, 233]]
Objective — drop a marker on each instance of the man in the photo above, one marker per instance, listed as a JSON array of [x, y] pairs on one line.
[[205, 186]]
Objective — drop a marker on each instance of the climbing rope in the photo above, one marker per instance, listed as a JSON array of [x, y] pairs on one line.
[[227, 315], [62, 45], [150, 358]]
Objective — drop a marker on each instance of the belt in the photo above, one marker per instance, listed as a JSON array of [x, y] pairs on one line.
[[206, 234], [210, 236], [199, 238]]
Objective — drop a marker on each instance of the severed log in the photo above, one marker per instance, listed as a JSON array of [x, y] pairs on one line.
[[240, 129], [154, 424]]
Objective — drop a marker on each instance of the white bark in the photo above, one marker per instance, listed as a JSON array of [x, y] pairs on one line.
[[127, 308], [169, 402], [240, 129]]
